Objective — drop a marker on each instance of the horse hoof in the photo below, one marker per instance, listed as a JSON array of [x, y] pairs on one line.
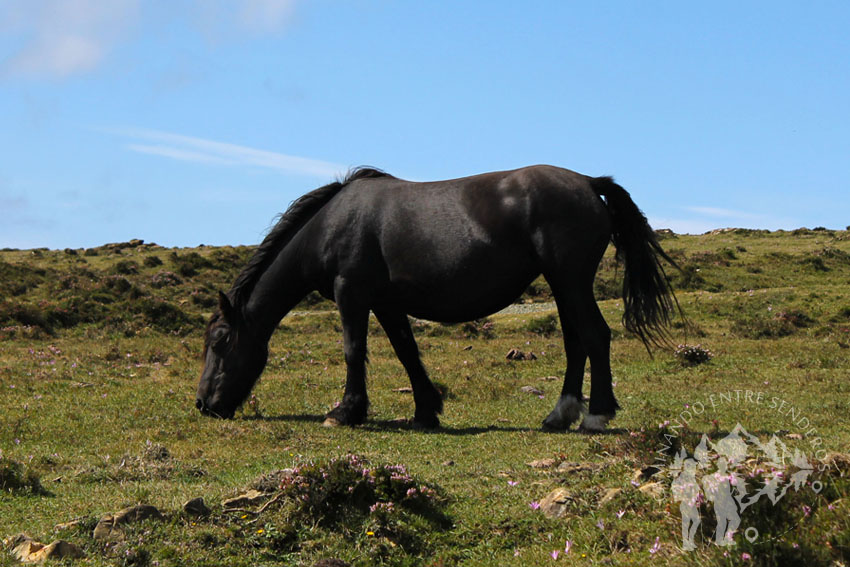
[[567, 411], [331, 422], [426, 424], [551, 426], [594, 423]]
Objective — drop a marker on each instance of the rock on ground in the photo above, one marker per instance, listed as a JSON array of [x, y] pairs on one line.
[[109, 528], [250, 498], [516, 354], [555, 503], [27, 550], [542, 463], [196, 507]]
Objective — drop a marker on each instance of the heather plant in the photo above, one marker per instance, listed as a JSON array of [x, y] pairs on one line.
[[692, 355], [382, 508], [349, 487]]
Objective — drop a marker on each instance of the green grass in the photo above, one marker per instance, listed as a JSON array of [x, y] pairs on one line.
[[99, 361]]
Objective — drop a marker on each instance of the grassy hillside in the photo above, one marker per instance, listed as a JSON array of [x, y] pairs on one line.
[[99, 360]]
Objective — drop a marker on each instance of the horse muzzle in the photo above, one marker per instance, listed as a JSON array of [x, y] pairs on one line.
[[212, 411]]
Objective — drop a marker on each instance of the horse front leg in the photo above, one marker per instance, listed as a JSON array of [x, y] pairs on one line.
[[427, 398], [355, 324]]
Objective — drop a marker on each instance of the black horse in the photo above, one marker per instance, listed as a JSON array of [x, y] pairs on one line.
[[447, 251]]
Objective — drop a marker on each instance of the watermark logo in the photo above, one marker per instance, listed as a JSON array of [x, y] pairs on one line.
[[735, 471]]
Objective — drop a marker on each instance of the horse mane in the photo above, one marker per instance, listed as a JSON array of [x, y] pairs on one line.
[[299, 212]]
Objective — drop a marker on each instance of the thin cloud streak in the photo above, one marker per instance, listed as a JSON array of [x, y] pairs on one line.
[[724, 213], [682, 226], [179, 154], [201, 150]]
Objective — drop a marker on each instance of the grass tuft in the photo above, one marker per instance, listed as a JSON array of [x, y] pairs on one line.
[[17, 478]]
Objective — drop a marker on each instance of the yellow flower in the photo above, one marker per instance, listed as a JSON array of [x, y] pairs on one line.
[[260, 531], [370, 533]]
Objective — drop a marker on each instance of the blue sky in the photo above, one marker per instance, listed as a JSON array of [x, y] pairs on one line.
[[189, 122]]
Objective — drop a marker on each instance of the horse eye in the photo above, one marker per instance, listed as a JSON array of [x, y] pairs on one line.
[[219, 339]]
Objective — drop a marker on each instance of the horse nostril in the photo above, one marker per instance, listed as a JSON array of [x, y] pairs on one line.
[[199, 404]]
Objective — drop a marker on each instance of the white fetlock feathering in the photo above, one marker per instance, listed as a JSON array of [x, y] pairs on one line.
[[595, 422], [569, 408]]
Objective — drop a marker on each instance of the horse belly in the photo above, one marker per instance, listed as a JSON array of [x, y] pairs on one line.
[[470, 290]]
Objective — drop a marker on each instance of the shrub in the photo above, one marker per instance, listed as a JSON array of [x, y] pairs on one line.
[[27, 315], [229, 260], [165, 317], [118, 284], [608, 287], [815, 263], [17, 279], [204, 298], [536, 292], [795, 317], [152, 261], [479, 328], [689, 278], [842, 315], [190, 264], [17, 478], [544, 326], [165, 279], [760, 327], [310, 300], [795, 530], [373, 504], [125, 267], [834, 254], [692, 355]]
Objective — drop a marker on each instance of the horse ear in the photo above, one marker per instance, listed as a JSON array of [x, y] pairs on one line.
[[226, 308]]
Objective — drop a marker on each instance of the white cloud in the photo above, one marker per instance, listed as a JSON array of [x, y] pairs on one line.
[[265, 15], [60, 56], [64, 37], [227, 20], [705, 219], [200, 150], [61, 38], [682, 226]]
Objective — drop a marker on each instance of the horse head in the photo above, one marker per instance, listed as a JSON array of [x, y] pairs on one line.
[[233, 362]]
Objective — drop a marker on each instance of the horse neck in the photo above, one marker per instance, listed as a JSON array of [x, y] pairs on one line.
[[277, 291]]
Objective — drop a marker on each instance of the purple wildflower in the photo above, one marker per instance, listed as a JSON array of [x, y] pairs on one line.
[[655, 546]]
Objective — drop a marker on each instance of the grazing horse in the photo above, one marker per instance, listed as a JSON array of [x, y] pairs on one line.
[[447, 251]]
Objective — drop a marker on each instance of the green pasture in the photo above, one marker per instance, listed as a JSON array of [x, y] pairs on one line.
[[100, 357]]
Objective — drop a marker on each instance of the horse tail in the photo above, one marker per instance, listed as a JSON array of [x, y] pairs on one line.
[[647, 295]]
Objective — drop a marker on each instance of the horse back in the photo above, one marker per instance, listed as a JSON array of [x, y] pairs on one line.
[[454, 249]]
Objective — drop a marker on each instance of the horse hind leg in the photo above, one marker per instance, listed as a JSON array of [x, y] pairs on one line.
[[429, 402], [569, 408], [578, 308]]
